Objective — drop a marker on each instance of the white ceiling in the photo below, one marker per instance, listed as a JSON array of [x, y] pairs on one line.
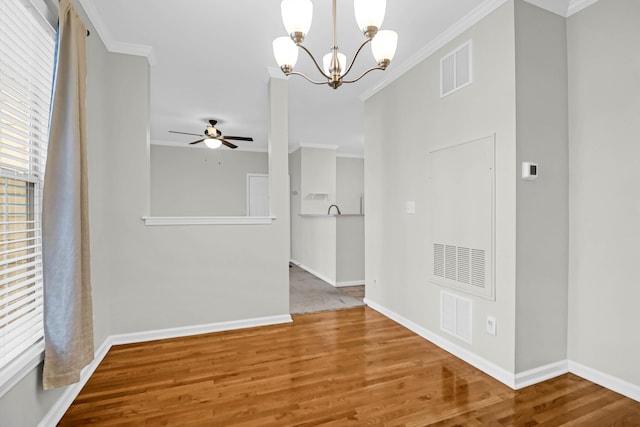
[[211, 59]]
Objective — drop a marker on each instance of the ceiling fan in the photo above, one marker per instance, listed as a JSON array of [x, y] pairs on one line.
[[213, 138]]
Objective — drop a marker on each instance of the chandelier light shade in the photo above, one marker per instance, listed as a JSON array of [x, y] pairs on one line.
[[286, 52], [369, 14], [297, 16], [384, 45]]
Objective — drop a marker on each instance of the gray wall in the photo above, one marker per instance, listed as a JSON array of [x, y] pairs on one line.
[[313, 238], [403, 123], [604, 129], [149, 278], [175, 276], [542, 205], [349, 184], [198, 181]]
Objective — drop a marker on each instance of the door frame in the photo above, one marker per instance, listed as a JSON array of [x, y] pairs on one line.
[[248, 198]]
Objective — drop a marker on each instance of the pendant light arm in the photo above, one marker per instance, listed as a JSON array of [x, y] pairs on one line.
[[314, 62], [353, 61], [296, 73], [364, 74]]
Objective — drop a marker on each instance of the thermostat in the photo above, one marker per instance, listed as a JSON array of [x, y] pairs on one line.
[[529, 171]]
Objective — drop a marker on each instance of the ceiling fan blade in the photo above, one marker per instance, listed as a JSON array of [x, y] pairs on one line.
[[238, 138], [228, 144], [198, 141], [185, 133]]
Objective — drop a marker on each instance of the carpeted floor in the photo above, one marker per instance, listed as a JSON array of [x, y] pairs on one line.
[[308, 294]]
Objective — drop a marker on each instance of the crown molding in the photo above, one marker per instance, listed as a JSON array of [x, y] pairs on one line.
[[576, 6], [445, 37], [110, 42], [559, 7]]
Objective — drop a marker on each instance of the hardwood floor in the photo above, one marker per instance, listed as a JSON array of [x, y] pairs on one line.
[[349, 367]]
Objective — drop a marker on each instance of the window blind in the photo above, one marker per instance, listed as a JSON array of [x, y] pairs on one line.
[[27, 51]]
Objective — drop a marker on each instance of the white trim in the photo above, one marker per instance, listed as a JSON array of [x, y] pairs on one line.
[[553, 6], [207, 220], [616, 384], [16, 370], [576, 6], [185, 331], [57, 411], [540, 374], [112, 44], [445, 37], [349, 283], [61, 406], [473, 359], [350, 155], [315, 273], [522, 379]]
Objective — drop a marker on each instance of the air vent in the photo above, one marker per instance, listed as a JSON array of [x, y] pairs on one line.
[[456, 316], [455, 70], [464, 265], [477, 268], [459, 264]]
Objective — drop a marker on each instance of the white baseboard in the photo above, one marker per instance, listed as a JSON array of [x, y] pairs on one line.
[[625, 388], [161, 334], [473, 359], [349, 283], [315, 273], [522, 379], [540, 374], [58, 410]]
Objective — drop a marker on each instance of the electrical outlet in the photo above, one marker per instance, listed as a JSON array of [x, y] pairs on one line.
[[491, 325]]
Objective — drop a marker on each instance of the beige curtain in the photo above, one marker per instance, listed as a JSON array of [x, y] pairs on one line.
[[68, 324]]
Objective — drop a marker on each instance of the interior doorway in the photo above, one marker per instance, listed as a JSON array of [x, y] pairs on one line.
[[257, 194]]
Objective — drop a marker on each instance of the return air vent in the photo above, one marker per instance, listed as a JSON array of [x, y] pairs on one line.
[[461, 189], [455, 316], [462, 265], [455, 70]]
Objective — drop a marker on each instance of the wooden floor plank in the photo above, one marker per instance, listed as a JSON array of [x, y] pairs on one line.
[[343, 368]]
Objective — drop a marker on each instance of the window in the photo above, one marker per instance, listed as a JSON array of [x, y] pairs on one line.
[[27, 48]]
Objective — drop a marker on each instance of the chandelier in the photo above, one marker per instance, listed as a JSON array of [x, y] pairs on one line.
[[297, 15]]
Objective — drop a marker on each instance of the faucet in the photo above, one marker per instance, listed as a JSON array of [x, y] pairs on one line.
[[329, 210]]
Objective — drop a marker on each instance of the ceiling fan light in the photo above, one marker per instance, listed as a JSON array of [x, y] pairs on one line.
[[297, 16], [286, 52], [383, 46], [212, 143], [326, 62], [369, 13]]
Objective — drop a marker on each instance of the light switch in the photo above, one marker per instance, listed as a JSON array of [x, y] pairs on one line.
[[411, 207], [491, 325]]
